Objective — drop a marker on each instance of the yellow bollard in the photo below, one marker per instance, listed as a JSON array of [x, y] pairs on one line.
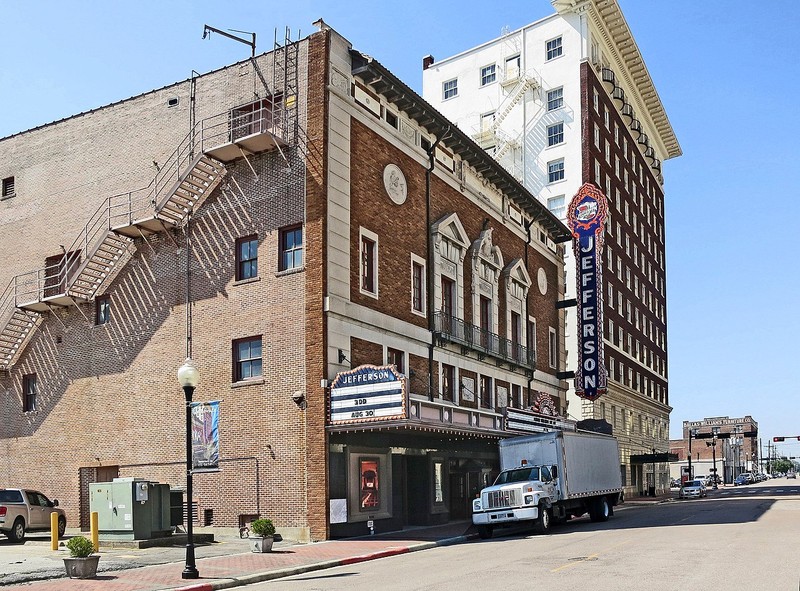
[[54, 531], [95, 532]]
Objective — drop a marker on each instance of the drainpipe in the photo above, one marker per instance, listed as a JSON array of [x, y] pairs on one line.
[[429, 257], [528, 295]]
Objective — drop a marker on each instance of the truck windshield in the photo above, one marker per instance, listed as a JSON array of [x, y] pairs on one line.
[[518, 475]]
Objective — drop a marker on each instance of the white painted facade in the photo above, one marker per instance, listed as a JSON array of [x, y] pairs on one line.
[[509, 117]]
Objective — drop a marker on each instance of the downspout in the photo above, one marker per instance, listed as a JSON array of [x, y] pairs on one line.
[[528, 225], [429, 257]]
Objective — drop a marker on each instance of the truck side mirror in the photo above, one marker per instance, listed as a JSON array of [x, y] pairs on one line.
[[554, 471]]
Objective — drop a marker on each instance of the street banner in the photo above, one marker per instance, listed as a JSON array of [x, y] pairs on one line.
[[205, 436]]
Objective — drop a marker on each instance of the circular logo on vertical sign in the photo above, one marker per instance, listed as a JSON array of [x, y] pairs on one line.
[[394, 181]]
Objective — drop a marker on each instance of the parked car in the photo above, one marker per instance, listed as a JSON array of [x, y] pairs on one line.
[[693, 488], [23, 510], [742, 479], [790, 475]]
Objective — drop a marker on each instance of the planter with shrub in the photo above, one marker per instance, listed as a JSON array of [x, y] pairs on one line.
[[262, 532], [82, 564]]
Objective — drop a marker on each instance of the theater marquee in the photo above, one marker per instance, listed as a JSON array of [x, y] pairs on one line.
[[368, 393], [586, 216]]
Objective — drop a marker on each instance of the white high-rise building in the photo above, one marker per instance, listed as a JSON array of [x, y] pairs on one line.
[[564, 101]]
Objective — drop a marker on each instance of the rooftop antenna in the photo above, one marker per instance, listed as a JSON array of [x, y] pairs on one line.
[[207, 30]]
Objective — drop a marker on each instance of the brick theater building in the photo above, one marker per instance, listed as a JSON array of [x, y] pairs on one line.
[[564, 101], [371, 299]]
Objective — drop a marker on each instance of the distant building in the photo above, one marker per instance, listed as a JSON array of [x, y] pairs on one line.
[[371, 298], [733, 443], [564, 101]]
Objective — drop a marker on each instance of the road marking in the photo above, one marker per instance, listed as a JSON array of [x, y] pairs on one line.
[[589, 558]]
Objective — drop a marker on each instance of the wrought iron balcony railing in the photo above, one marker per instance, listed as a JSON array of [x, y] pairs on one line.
[[483, 342]]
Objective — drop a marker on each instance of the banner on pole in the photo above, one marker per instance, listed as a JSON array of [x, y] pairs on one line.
[[205, 436]]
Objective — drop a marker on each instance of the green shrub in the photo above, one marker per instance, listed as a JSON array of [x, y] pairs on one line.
[[262, 527], [80, 547]]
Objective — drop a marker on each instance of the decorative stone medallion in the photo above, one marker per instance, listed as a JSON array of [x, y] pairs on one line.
[[395, 183], [541, 279]]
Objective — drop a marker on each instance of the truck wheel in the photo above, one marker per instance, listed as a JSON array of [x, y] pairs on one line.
[[62, 527], [17, 533], [542, 525], [485, 531], [600, 510]]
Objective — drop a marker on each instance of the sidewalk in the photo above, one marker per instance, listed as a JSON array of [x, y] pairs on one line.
[[232, 570]]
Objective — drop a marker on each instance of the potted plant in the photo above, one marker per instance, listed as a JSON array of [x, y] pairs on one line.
[[262, 532], [82, 564]]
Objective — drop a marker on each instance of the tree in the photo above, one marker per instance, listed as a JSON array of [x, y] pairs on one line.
[[781, 465]]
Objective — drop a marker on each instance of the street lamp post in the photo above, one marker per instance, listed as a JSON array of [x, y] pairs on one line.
[[189, 377], [691, 432], [715, 432]]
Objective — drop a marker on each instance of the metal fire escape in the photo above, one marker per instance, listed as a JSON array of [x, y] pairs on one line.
[[105, 244]]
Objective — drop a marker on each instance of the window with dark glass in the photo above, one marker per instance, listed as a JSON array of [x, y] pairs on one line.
[[102, 310], [247, 257], [247, 358], [448, 382], [29, 392], [417, 287], [396, 357], [554, 48], [486, 392], [367, 264], [291, 248]]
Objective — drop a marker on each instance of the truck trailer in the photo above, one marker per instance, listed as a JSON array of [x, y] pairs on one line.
[[551, 477]]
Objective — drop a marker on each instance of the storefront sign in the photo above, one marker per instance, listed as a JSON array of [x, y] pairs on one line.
[[368, 393], [586, 217]]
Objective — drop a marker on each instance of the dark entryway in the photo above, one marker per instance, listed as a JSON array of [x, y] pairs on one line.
[[417, 487]]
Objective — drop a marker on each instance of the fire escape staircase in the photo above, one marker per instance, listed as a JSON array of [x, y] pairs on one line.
[[104, 245]]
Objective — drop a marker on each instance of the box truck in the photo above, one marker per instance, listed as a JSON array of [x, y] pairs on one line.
[[551, 477]]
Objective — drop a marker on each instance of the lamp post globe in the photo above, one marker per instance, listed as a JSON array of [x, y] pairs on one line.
[[189, 377]]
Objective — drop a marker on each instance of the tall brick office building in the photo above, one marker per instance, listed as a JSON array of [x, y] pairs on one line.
[[369, 295]]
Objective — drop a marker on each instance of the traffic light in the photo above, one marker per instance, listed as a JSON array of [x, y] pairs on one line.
[[777, 439]]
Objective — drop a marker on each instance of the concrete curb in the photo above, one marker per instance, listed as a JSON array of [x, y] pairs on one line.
[[298, 570]]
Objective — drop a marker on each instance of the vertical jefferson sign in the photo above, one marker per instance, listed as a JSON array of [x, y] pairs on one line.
[[368, 393], [586, 216]]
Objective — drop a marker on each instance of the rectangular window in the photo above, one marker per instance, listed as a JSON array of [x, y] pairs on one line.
[[555, 134], [486, 392], [417, 285], [102, 310], [555, 171], [448, 382], [29, 392], [369, 263], [553, 348], [553, 48], [555, 99], [530, 339], [291, 248], [557, 205], [247, 257], [487, 120], [512, 67], [488, 74], [8, 188], [396, 357], [448, 294], [246, 358], [450, 89]]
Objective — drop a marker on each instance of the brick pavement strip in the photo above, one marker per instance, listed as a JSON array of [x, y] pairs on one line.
[[223, 572]]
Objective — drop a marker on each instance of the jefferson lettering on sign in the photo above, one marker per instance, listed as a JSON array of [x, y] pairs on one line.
[[586, 217], [368, 393]]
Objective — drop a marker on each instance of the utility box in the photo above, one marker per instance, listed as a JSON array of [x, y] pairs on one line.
[[131, 509]]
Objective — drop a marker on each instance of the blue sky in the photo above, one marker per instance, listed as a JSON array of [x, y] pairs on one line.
[[727, 73]]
